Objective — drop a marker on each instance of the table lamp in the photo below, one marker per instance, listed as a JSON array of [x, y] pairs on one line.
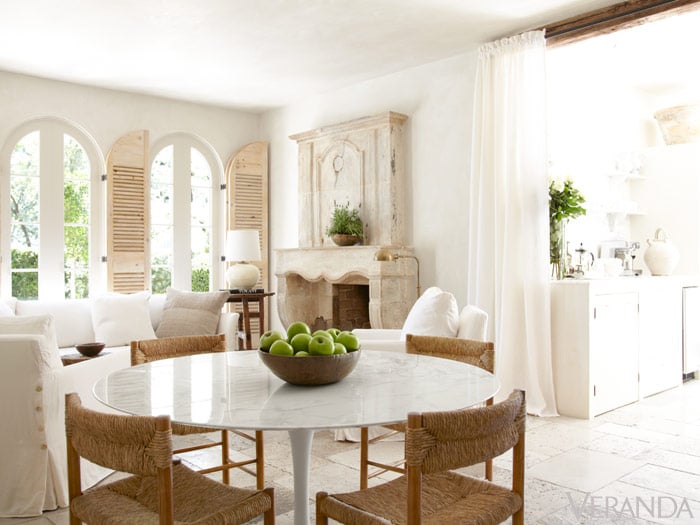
[[242, 246]]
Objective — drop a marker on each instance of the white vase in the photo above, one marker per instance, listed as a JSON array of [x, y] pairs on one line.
[[661, 256]]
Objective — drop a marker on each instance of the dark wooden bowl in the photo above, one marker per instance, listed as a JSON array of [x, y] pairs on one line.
[[311, 370], [90, 349]]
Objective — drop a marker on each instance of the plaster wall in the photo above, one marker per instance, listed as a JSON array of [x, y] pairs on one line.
[[106, 114], [437, 98]]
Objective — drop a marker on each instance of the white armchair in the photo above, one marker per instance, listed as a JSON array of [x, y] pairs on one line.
[[434, 313]]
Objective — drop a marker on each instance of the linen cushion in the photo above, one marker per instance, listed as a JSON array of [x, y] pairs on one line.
[[473, 323], [118, 319], [72, 318], [191, 313], [434, 313], [35, 325], [6, 310]]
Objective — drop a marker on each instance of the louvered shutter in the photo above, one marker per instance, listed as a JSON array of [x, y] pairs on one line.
[[246, 199], [128, 266]]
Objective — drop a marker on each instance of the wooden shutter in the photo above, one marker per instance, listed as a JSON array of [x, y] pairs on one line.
[[128, 259], [246, 199]]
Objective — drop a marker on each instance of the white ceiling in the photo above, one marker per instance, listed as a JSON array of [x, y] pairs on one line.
[[251, 54]]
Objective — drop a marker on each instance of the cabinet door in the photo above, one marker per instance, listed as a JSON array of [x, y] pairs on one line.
[[660, 341], [614, 351]]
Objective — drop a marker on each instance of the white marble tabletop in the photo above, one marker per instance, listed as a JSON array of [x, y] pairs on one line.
[[236, 390]]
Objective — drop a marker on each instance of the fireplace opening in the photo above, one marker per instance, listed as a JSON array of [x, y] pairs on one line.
[[351, 306]]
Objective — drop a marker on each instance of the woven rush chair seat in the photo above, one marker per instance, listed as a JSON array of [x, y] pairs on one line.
[[476, 353], [447, 498], [431, 492], [160, 490], [197, 499], [148, 350]]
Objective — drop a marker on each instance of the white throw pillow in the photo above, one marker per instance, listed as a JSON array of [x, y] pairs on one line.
[[35, 325], [118, 319], [5, 310], [434, 313], [473, 323], [191, 313]]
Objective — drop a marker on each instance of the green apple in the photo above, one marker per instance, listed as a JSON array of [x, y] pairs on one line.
[[339, 348], [268, 338], [281, 347], [349, 340], [334, 332], [300, 343], [302, 354], [321, 345], [297, 327], [324, 333]]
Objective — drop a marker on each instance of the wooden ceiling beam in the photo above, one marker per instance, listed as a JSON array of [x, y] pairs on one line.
[[614, 18]]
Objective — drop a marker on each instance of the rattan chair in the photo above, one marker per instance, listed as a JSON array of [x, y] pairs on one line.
[[477, 353], [160, 490], [431, 491], [145, 351]]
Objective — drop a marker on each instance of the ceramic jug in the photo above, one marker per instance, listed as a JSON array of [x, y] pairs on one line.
[[661, 256]]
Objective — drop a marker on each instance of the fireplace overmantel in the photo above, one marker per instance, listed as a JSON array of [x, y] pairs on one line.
[[359, 163]]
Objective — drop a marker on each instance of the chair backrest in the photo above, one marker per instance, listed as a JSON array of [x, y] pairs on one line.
[[477, 353], [148, 350], [139, 445], [440, 441]]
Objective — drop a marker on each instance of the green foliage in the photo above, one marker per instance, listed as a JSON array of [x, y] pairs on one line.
[[565, 201], [25, 285], [200, 280], [345, 221]]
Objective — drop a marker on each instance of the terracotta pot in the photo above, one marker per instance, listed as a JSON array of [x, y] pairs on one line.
[[342, 239]]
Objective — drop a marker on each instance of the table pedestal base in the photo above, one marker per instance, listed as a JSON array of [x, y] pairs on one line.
[[301, 460]]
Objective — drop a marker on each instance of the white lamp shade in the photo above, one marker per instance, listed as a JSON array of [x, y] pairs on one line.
[[243, 245]]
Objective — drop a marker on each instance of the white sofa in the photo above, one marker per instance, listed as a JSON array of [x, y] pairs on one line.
[[33, 383]]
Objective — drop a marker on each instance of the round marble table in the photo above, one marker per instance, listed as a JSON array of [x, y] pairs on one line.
[[235, 390]]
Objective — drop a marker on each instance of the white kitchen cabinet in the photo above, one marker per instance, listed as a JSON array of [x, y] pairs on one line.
[[615, 341], [595, 331]]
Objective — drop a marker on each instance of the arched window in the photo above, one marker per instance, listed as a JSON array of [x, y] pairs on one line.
[[50, 220], [184, 200]]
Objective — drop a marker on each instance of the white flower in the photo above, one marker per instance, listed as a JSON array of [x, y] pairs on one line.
[[557, 184]]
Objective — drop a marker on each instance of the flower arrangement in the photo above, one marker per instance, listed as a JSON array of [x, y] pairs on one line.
[[565, 202]]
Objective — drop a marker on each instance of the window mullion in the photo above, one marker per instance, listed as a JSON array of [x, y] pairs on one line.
[[182, 192], [51, 231]]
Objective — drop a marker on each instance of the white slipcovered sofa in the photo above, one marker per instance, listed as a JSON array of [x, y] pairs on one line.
[[33, 382]]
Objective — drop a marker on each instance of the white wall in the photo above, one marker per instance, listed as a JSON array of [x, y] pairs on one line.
[[106, 115], [437, 98]]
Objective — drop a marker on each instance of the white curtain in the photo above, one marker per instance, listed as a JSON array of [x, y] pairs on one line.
[[508, 265]]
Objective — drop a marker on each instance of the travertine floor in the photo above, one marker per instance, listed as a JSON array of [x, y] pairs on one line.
[[637, 465]]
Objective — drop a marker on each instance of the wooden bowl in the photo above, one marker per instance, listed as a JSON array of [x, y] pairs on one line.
[[311, 370], [90, 349]]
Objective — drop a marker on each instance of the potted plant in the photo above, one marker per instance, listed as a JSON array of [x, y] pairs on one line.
[[565, 202], [345, 227]]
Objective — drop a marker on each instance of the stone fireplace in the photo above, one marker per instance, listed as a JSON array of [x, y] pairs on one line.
[[359, 163]]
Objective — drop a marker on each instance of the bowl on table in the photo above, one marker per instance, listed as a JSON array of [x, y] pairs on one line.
[[90, 349], [311, 370]]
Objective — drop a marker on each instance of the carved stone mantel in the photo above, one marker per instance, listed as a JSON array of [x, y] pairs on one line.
[[305, 278]]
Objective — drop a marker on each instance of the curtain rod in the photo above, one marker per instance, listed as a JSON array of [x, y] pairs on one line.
[[613, 18]]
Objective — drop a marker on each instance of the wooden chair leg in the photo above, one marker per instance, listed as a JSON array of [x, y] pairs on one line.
[[269, 516], [259, 460], [225, 476], [364, 452], [321, 518]]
